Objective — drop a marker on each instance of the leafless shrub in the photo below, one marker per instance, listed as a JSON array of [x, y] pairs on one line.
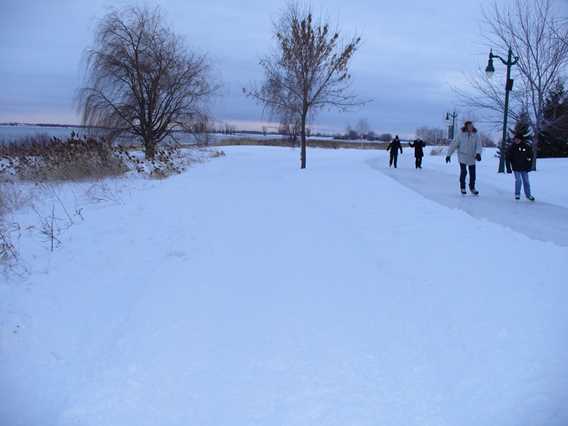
[[8, 252], [101, 192], [12, 198], [7, 248], [8, 231], [51, 229]]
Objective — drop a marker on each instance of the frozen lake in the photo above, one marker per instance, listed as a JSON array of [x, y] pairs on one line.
[[13, 133]]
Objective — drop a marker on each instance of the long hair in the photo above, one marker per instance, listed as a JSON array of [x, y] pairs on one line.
[[464, 128]]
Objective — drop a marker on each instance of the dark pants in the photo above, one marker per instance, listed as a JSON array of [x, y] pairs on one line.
[[463, 174], [418, 162], [393, 159]]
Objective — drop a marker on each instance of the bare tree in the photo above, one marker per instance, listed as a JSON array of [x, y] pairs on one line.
[[363, 128], [308, 71], [142, 81], [290, 126], [432, 136], [385, 137], [229, 129], [531, 29], [487, 95]]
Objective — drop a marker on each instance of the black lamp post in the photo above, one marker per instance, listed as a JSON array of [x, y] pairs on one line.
[[452, 127], [490, 70]]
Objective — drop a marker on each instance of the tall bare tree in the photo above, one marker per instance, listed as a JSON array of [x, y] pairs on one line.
[[363, 128], [532, 30], [432, 135], [308, 71], [142, 81]]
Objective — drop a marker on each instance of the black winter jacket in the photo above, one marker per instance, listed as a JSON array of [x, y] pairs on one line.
[[521, 156], [418, 146], [394, 146]]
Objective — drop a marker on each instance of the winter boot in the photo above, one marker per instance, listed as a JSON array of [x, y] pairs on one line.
[[530, 198], [474, 191]]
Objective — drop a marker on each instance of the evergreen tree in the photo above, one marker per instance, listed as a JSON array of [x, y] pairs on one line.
[[554, 136], [522, 127]]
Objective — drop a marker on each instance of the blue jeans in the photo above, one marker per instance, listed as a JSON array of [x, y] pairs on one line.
[[522, 178], [463, 174]]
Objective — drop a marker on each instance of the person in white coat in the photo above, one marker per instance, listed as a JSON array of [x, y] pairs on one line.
[[469, 147]]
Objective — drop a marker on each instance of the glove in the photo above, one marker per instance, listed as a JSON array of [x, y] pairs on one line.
[[478, 157], [448, 159]]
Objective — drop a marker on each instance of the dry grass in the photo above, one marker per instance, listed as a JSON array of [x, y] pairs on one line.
[[42, 159], [10, 199], [329, 144]]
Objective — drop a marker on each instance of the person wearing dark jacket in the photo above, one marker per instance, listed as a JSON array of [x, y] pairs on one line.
[[520, 154], [394, 147], [418, 146]]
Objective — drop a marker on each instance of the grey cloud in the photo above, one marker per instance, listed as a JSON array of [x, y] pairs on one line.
[[409, 47]]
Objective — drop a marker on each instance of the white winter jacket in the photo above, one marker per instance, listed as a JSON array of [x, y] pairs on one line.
[[468, 146]]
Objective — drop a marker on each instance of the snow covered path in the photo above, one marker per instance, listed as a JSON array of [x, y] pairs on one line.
[[246, 292], [540, 221]]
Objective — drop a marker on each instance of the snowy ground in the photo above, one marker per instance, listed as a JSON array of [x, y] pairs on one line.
[[246, 292]]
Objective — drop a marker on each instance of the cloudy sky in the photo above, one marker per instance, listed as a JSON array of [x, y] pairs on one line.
[[413, 52]]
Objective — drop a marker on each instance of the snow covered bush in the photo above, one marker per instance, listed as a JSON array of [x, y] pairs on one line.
[[168, 160], [216, 154], [438, 150]]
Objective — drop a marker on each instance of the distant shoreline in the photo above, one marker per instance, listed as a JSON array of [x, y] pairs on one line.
[[215, 132], [15, 124]]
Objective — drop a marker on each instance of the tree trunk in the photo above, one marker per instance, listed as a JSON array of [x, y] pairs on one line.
[[149, 148], [536, 142], [304, 143]]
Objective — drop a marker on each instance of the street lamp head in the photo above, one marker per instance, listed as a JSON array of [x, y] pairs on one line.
[[447, 117], [490, 70]]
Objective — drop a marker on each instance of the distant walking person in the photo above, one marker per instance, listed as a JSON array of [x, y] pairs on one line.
[[469, 147], [520, 154], [418, 146], [394, 147]]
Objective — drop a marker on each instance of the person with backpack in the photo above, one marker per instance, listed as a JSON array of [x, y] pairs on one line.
[[393, 148], [469, 147], [520, 154], [418, 146]]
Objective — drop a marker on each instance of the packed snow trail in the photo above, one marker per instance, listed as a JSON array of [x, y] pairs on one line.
[[246, 292], [540, 221]]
